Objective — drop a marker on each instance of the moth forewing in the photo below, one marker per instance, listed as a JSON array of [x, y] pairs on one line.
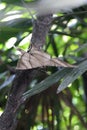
[[40, 53], [45, 59], [59, 62], [42, 60], [23, 62], [36, 58], [41, 57], [35, 62]]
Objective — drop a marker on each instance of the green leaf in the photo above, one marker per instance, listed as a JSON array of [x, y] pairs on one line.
[[68, 75], [73, 75], [48, 82], [81, 48]]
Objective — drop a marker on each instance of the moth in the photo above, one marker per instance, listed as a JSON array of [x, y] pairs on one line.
[[37, 58]]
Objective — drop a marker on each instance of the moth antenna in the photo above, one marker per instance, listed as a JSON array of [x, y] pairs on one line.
[[18, 49]]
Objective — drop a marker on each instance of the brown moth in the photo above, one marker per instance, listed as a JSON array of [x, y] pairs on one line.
[[37, 58]]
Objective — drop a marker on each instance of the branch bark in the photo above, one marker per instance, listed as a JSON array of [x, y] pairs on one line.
[[40, 31], [8, 120]]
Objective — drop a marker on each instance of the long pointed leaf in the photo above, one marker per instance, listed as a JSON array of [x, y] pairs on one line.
[[73, 75], [48, 82]]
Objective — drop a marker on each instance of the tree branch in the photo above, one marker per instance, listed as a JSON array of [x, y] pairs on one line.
[[8, 120], [40, 31]]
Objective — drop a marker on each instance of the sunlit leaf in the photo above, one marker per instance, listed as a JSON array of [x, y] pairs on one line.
[[7, 82]]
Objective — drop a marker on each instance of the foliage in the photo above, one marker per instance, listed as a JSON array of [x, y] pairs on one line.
[[67, 39]]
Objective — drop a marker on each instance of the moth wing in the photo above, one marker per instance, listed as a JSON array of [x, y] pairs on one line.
[[46, 60], [57, 62], [35, 61], [42, 57], [36, 58], [29, 61], [23, 62], [40, 53]]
